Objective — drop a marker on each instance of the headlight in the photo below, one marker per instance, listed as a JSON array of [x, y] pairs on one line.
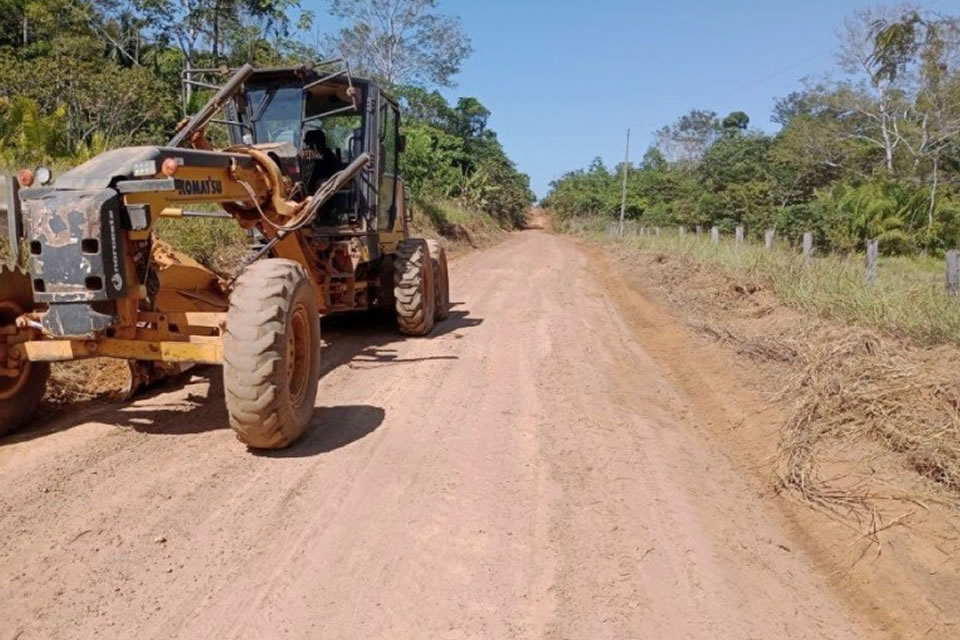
[[170, 166], [43, 175], [147, 168]]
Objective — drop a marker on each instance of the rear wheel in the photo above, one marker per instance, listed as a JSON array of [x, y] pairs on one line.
[[22, 383], [413, 287], [271, 354], [441, 280]]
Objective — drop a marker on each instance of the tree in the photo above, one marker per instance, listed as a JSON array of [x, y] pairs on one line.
[[871, 151], [875, 100], [736, 122], [80, 76], [653, 160], [689, 137], [796, 103], [452, 153], [923, 48], [400, 41], [26, 135], [423, 105], [431, 159]]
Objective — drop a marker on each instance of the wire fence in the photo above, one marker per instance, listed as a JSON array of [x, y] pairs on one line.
[[807, 248]]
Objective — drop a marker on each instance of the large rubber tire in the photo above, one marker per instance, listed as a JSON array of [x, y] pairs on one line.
[[271, 354], [413, 287], [20, 396], [441, 281]]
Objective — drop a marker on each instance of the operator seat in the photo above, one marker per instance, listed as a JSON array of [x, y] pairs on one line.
[[321, 162]]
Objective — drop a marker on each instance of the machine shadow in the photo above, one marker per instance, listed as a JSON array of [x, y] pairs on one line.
[[330, 429], [369, 340], [366, 339], [199, 412], [205, 410]]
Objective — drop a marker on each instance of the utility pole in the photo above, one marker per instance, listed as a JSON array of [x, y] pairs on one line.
[[623, 191]]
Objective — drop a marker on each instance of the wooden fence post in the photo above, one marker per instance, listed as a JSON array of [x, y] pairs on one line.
[[953, 272], [698, 230], [683, 230], [656, 230], [715, 234], [807, 244], [739, 235], [870, 274], [768, 237]]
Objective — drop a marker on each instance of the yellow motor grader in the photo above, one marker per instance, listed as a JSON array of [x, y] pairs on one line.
[[310, 169]]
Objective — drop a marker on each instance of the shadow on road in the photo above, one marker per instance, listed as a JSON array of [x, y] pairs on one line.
[[366, 340], [330, 429], [363, 340]]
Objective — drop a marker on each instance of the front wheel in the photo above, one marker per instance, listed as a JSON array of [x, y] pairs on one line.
[[441, 281], [22, 383], [271, 354], [413, 289]]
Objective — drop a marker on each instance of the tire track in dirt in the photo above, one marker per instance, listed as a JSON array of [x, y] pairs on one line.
[[529, 472]]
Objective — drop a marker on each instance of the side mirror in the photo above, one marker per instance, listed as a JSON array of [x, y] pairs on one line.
[[402, 144]]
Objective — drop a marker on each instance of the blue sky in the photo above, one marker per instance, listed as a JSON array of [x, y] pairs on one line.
[[564, 79]]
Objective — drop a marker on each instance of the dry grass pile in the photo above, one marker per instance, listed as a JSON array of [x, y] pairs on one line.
[[851, 384], [83, 380], [844, 386]]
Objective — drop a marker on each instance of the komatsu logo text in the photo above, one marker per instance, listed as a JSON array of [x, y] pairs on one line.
[[208, 187]]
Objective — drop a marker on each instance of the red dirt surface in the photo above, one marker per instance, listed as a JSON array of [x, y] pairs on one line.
[[536, 469]]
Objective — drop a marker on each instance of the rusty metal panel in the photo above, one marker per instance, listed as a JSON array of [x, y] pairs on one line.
[[11, 220], [77, 319], [76, 248]]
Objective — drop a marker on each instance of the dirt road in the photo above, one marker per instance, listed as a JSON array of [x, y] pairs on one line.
[[527, 473]]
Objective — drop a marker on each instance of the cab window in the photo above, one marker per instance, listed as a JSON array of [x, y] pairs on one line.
[[279, 120], [389, 136]]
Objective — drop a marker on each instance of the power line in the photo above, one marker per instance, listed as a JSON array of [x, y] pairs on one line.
[[783, 70], [928, 6]]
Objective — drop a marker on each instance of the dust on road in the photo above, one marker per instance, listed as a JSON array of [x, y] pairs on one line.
[[529, 472]]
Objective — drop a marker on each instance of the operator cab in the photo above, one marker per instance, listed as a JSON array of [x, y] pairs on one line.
[[314, 123]]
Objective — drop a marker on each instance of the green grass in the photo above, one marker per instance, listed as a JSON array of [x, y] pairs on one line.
[[443, 215], [907, 299], [213, 242]]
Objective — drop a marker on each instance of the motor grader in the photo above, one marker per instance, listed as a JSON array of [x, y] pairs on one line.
[[307, 162]]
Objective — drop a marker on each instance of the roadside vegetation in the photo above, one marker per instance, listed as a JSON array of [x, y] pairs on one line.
[[871, 150], [856, 402], [78, 77], [907, 300]]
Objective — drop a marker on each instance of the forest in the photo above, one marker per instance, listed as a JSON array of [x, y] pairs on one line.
[[869, 150], [80, 76]]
